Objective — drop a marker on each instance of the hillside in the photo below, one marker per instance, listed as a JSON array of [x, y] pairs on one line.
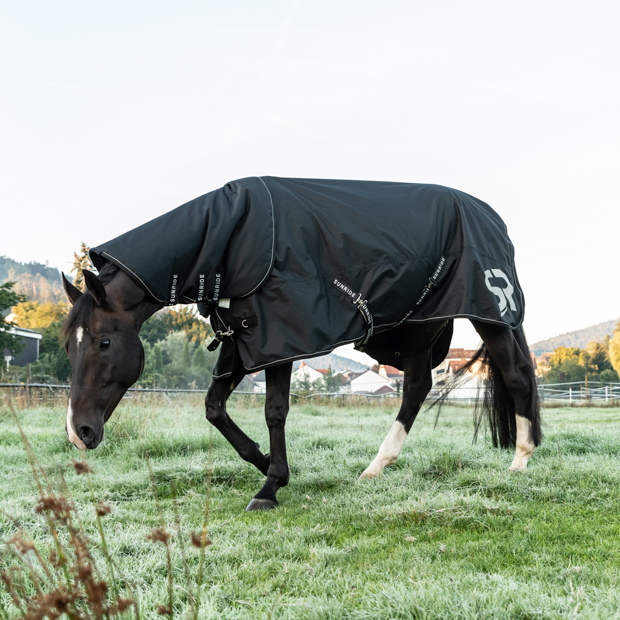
[[578, 338], [337, 362], [37, 281]]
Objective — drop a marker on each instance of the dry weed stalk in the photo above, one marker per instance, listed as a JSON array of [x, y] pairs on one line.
[[203, 540], [159, 534], [69, 581]]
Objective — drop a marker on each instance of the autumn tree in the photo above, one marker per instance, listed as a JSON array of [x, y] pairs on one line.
[[33, 315], [81, 261], [614, 349]]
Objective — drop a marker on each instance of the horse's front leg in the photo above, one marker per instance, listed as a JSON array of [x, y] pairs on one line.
[[276, 410], [218, 394]]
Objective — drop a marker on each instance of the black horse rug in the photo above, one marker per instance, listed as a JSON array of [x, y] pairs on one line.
[[292, 268]]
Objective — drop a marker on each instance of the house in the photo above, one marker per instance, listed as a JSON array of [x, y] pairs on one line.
[[246, 385], [371, 382], [455, 360], [30, 353], [393, 375], [260, 381], [305, 372], [541, 363]]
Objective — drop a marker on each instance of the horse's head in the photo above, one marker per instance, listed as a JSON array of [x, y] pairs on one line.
[[102, 341]]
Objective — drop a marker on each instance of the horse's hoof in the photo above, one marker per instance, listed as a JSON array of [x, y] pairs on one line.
[[261, 504], [368, 475]]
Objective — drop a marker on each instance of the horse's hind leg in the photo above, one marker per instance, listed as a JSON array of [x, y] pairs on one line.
[[215, 401], [517, 372], [416, 386], [276, 410]]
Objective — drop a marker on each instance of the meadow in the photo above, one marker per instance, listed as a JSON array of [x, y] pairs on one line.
[[447, 532]]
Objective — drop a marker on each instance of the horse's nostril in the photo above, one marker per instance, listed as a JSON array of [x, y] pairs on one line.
[[87, 435]]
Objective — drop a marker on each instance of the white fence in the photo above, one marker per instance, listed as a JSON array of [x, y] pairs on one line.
[[578, 392]]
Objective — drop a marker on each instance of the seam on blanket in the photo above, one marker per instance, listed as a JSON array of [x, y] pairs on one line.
[[343, 342], [293, 358], [135, 275], [273, 242]]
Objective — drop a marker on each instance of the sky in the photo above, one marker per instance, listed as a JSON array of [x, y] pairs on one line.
[[114, 113]]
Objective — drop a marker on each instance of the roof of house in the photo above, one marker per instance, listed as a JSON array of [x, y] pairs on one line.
[[458, 354]]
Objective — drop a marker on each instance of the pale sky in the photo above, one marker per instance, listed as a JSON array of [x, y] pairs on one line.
[[112, 113]]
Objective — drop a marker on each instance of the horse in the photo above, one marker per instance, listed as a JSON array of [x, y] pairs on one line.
[[102, 341]]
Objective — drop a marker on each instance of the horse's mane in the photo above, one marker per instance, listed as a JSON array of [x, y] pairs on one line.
[[81, 314]]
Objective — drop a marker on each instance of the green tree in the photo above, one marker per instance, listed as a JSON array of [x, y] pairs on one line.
[[8, 299], [159, 360], [53, 354], [186, 360], [199, 361], [331, 381], [170, 320], [81, 261]]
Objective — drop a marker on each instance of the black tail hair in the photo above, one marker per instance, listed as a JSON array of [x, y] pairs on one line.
[[496, 406]]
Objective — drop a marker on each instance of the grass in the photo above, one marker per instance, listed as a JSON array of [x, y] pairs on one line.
[[447, 532]]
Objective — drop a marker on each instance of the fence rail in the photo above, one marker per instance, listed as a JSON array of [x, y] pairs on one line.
[[578, 392]]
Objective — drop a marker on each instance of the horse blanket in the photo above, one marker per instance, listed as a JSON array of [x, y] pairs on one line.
[[292, 268]]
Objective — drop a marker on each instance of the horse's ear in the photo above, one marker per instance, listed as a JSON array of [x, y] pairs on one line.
[[94, 286], [72, 292]]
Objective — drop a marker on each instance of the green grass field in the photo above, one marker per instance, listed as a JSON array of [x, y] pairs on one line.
[[447, 532]]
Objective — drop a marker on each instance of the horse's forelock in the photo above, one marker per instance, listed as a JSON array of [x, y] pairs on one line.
[[81, 315], [82, 312]]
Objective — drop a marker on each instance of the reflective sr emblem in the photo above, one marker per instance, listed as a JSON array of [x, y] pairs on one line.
[[504, 294]]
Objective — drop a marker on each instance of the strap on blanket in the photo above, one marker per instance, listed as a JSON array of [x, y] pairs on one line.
[[221, 329], [362, 306]]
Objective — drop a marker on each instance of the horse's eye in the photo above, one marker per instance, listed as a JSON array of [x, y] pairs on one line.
[[104, 344]]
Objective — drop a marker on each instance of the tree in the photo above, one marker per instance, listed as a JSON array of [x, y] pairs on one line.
[[168, 321], [82, 261], [186, 361], [614, 349], [159, 360], [574, 364], [595, 358], [331, 381], [33, 315], [8, 299], [199, 361]]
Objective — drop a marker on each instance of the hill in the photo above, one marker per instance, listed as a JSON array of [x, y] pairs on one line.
[[337, 362], [578, 338], [37, 281]]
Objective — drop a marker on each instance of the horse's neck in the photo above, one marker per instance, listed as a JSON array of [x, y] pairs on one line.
[[130, 298]]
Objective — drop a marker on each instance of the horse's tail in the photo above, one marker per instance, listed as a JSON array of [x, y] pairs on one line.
[[495, 405]]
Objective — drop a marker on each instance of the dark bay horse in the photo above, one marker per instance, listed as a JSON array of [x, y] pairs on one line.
[[103, 344]]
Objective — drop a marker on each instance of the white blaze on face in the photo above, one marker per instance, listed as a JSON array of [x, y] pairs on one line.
[[73, 438], [388, 452], [525, 448], [79, 334]]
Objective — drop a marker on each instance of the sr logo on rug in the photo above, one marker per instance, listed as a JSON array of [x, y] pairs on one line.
[[504, 295]]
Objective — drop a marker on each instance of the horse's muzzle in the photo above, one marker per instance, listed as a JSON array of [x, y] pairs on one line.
[[89, 437]]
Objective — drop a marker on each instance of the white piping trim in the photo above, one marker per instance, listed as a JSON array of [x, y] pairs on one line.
[[455, 316], [125, 268], [273, 242], [294, 357], [343, 342]]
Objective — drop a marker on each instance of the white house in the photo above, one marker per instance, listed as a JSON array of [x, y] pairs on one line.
[[444, 373], [306, 372], [370, 382]]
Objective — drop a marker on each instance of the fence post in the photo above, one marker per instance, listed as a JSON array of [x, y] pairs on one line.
[[570, 395], [606, 394]]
